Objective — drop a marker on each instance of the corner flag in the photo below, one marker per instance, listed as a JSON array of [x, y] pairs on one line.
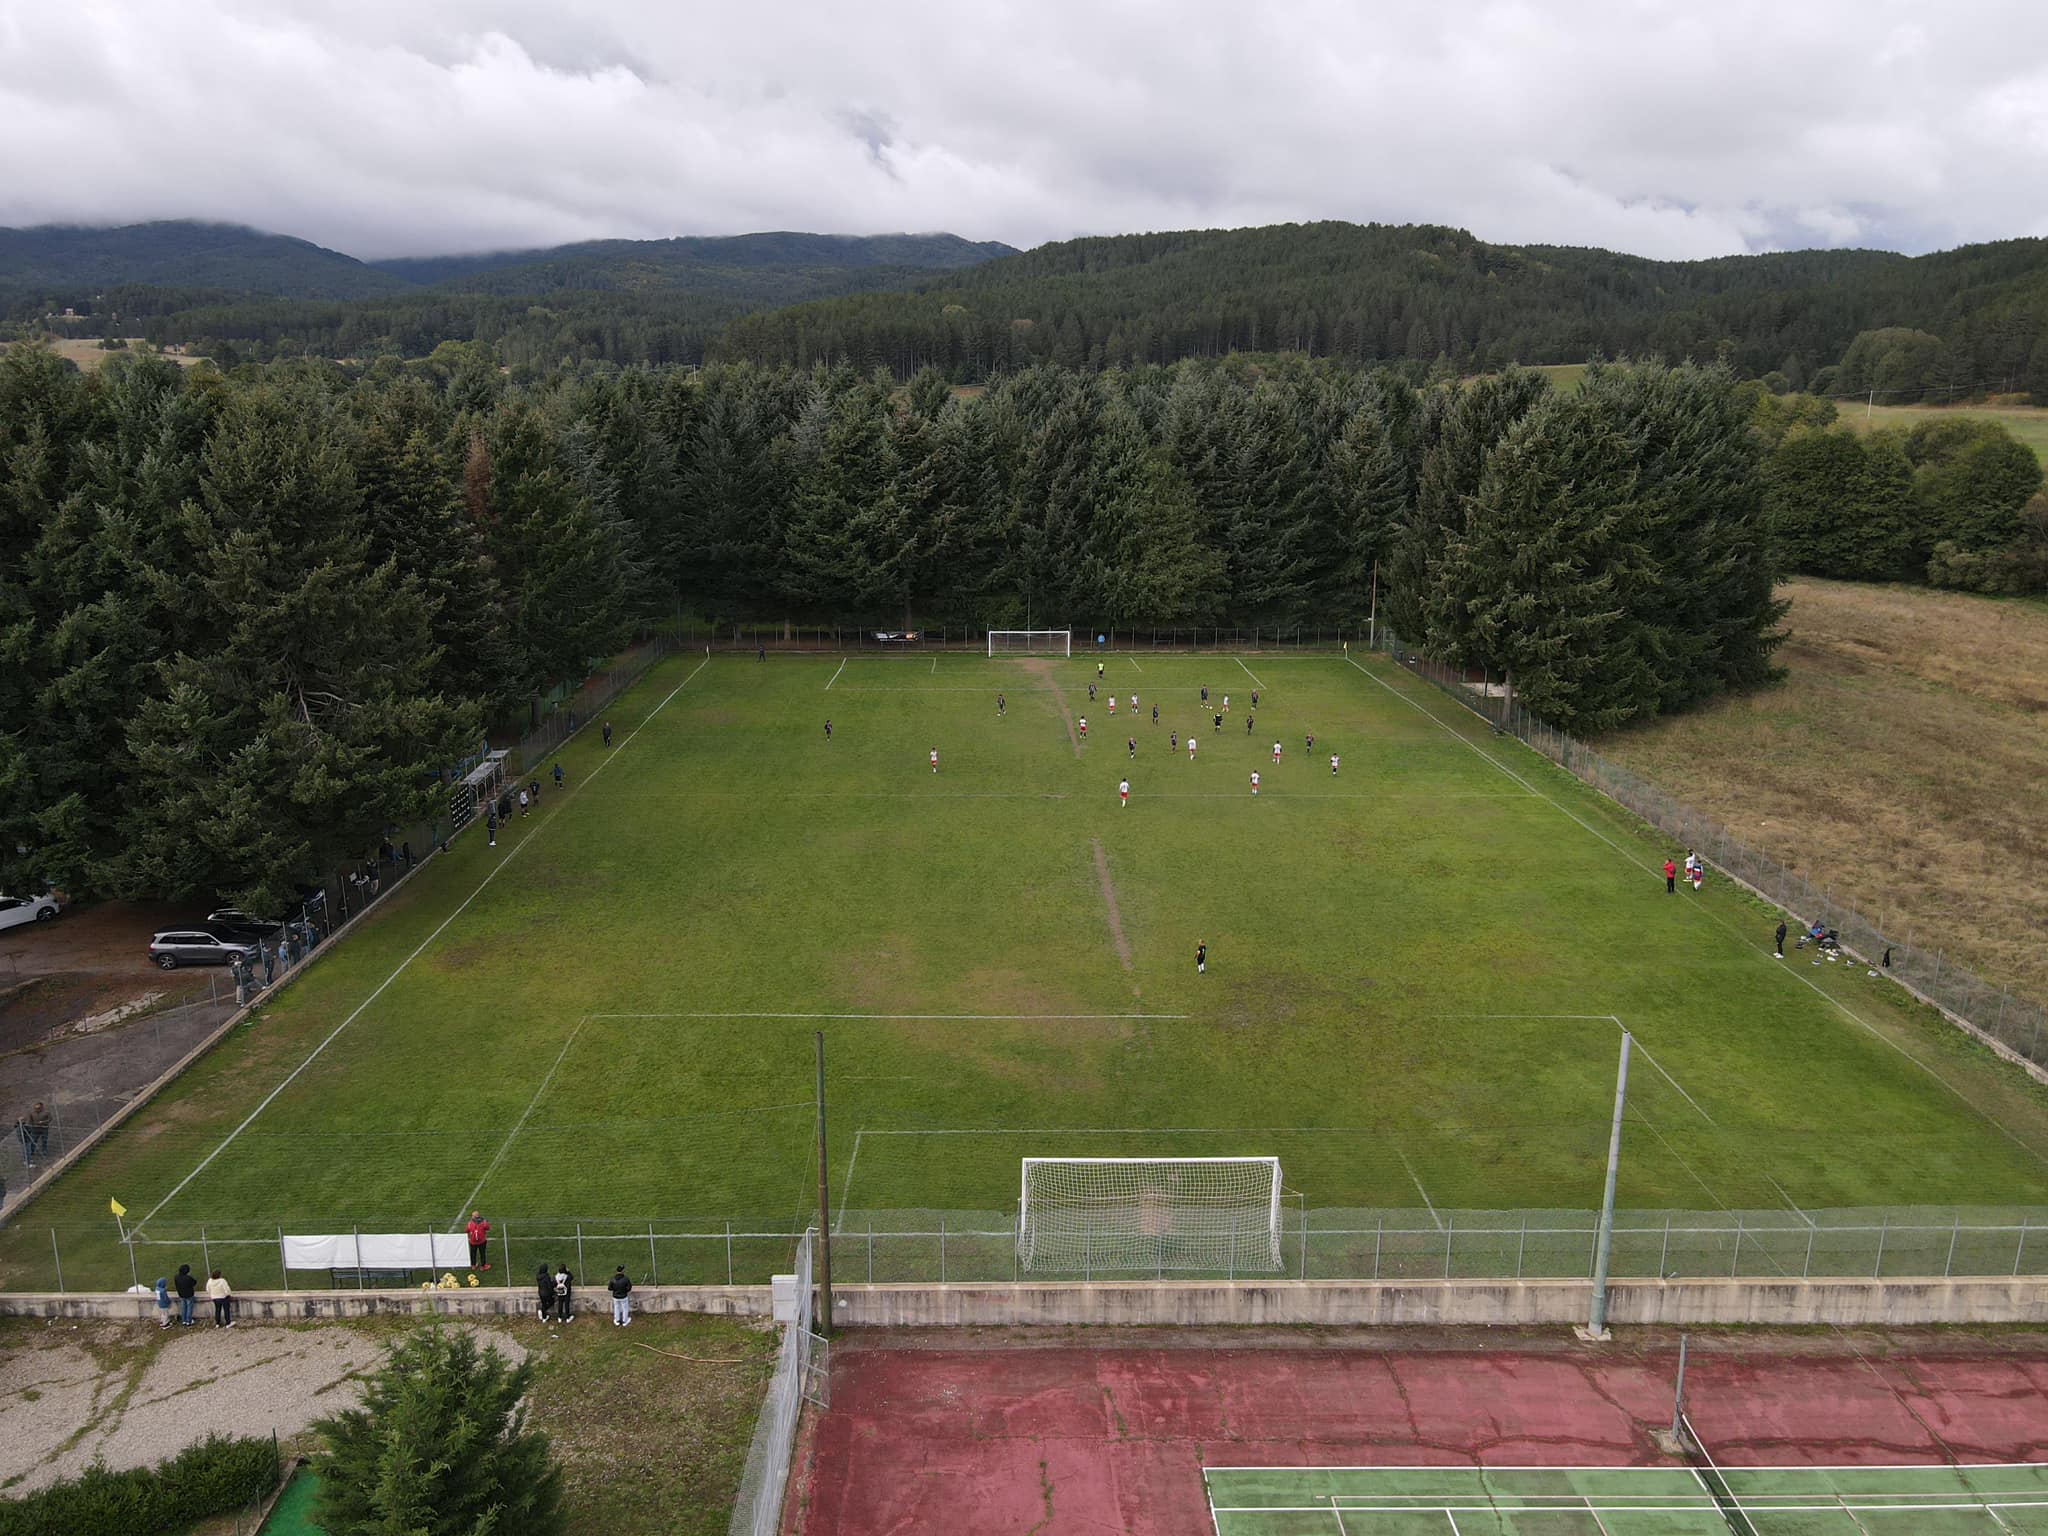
[[116, 1206]]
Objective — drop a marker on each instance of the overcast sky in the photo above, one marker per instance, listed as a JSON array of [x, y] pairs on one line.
[[406, 127]]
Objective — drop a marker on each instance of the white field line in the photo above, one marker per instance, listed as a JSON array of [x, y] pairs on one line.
[[1134, 662], [519, 1124], [1785, 1195], [1139, 1130], [1419, 1189], [846, 1189], [835, 675], [970, 1017], [935, 665], [1674, 1082], [1454, 1523], [1248, 672], [1715, 917], [398, 970]]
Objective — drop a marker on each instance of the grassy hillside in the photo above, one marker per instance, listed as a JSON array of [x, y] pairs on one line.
[[2027, 423], [1900, 764]]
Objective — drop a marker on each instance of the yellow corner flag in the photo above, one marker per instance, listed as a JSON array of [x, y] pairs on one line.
[[116, 1206]]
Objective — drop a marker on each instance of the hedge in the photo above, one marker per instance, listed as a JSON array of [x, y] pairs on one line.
[[210, 1478]]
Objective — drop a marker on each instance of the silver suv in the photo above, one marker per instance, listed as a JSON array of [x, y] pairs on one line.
[[195, 946]]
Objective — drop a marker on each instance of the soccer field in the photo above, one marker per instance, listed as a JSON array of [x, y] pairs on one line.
[[1418, 972]]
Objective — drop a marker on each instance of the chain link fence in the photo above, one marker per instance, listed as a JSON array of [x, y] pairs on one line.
[[941, 1247], [1918, 961], [882, 640], [800, 1366], [567, 710]]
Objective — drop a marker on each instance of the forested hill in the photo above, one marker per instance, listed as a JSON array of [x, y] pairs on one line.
[[1419, 292], [71, 263], [735, 263]]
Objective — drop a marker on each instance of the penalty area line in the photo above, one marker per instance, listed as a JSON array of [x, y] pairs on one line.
[[835, 675], [1248, 672], [993, 1018], [398, 970], [1416, 1179]]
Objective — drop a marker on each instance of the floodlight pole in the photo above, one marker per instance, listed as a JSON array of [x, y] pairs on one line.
[[824, 1204], [1596, 1323]]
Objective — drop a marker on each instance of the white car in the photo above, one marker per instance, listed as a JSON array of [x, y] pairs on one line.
[[16, 910]]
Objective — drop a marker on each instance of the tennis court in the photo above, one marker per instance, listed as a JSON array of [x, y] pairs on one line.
[[1629, 1501]]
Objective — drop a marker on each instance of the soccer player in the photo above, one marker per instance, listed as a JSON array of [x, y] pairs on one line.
[[1091, 693], [1001, 705], [1205, 695], [1084, 727], [1219, 722], [1311, 744], [607, 733], [828, 730], [558, 776], [1112, 706], [1248, 719], [1134, 703], [1155, 714], [935, 759], [1123, 793], [1098, 669], [1333, 765], [1255, 783], [1276, 751], [1201, 959], [1255, 698], [1193, 742], [1226, 703], [1173, 741], [1132, 743]]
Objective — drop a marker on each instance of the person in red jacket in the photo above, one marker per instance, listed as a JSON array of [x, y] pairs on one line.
[[1670, 877], [479, 1232]]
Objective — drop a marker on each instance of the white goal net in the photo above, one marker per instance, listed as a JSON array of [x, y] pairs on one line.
[[1031, 642], [1084, 1214]]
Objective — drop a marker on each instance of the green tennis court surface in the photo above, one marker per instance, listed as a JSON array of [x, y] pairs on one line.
[[1628, 1501]]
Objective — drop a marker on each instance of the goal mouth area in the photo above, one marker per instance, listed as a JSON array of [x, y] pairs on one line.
[[1031, 642], [1090, 1215]]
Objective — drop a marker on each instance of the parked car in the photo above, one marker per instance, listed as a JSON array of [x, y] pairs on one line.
[[895, 637], [16, 910], [234, 923], [195, 946]]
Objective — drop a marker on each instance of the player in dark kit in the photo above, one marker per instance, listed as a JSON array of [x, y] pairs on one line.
[[1219, 722], [1248, 719], [1201, 959], [1001, 705], [828, 730], [1155, 714], [1132, 742]]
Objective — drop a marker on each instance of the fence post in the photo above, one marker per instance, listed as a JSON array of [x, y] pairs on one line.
[[283, 1265], [1806, 1269], [2021, 1251], [508, 1254], [1379, 1231], [1521, 1243], [205, 1257], [1884, 1231], [356, 1238], [1664, 1252], [728, 1253], [58, 1259], [1735, 1263], [1233, 1252], [653, 1264], [1450, 1227]]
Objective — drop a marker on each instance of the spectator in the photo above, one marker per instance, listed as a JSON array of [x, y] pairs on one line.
[[558, 776], [38, 1139], [544, 1286], [405, 852], [223, 1301], [163, 1302], [564, 1283], [385, 853], [607, 733], [479, 1234], [269, 962], [187, 1287], [621, 1288]]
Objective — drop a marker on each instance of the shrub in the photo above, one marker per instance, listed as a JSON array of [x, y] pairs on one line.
[[212, 1477]]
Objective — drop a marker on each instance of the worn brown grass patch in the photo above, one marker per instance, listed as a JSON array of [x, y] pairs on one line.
[[1901, 764]]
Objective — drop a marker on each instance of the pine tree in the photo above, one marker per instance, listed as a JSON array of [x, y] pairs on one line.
[[439, 1447]]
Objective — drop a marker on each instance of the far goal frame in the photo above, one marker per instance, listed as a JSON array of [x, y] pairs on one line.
[[1036, 642], [1132, 1214]]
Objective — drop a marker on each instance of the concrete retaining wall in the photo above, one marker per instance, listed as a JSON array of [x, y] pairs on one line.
[[1201, 1303]]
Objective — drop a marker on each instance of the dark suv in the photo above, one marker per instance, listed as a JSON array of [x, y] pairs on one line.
[[195, 946], [234, 923]]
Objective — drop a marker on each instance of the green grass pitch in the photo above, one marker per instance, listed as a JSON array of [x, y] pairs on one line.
[[1417, 972]]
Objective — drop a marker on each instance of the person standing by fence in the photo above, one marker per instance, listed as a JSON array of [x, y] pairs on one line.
[[1780, 938], [223, 1301], [186, 1284], [269, 962], [621, 1288], [479, 1233], [37, 1140], [544, 1287], [1670, 877]]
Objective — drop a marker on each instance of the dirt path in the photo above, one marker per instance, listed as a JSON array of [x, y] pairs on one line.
[[1042, 670], [1116, 921]]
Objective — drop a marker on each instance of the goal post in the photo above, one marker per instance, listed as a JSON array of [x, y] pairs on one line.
[[1031, 642], [1088, 1214]]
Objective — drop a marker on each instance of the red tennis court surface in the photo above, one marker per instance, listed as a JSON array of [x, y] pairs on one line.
[[961, 1431]]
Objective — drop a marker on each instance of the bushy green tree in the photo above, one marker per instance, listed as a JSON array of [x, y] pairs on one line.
[[439, 1446], [1973, 477]]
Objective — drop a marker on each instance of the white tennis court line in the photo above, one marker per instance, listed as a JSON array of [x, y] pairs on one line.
[[1712, 916], [968, 1017], [519, 1124], [496, 869], [835, 676], [1416, 1179], [1248, 672]]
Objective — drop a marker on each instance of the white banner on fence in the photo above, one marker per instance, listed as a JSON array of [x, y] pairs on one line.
[[378, 1250]]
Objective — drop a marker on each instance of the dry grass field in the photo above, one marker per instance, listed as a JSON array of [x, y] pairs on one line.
[[2028, 423], [1901, 763], [87, 353]]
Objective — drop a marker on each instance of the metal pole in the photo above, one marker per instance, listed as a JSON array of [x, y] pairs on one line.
[[284, 1267], [824, 1202], [653, 1264], [579, 1254], [1596, 1325], [205, 1256], [1678, 1397], [58, 1259]]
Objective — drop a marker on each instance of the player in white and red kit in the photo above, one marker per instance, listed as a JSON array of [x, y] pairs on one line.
[[1276, 751], [1333, 765], [935, 759], [1255, 784], [1123, 793]]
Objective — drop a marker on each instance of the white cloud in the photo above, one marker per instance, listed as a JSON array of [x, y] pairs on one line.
[[1656, 126]]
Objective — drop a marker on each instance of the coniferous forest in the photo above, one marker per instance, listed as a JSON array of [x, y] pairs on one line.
[[246, 617]]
